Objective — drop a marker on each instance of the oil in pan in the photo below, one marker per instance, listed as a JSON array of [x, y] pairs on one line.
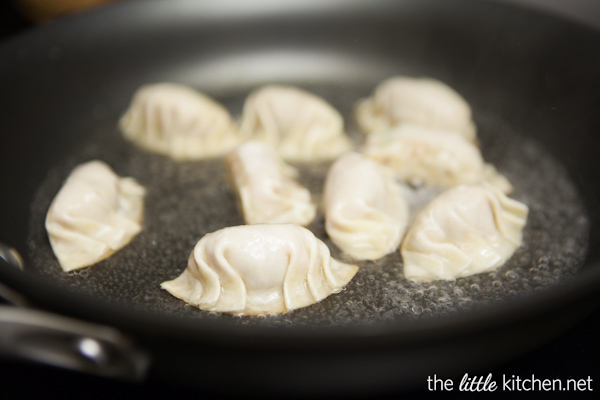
[[186, 200]]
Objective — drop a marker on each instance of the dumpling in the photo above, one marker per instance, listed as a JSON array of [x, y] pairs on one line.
[[93, 215], [180, 122], [365, 212], [259, 269], [300, 125], [466, 230], [266, 188], [431, 157], [423, 101]]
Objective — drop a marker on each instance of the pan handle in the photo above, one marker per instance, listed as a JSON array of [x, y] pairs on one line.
[[60, 341], [64, 342]]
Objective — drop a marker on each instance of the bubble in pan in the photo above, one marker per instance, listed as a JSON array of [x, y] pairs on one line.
[[187, 200]]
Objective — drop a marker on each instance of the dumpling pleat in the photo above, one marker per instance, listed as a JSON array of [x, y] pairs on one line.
[[190, 288], [512, 219], [260, 269], [179, 122], [232, 288], [198, 285], [94, 214], [367, 237], [318, 282], [423, 101], [365, 211], [339, 274], [465, 231], [75, 250], [296, 286], [300, 125], [265, 186]]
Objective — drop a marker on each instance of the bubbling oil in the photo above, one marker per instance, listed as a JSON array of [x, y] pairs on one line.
[[186, 200]]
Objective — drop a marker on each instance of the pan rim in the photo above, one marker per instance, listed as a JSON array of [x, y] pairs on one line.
[[83, 306]]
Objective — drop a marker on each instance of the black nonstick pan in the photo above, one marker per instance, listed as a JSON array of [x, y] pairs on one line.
[[533, 85]]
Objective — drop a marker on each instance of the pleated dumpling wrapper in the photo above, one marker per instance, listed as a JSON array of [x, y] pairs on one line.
[[365, 212], [432, 157], [420, 101], [266, 188], [93, 215], [467, 230], [179, 122], [300, 125], [259, 269]]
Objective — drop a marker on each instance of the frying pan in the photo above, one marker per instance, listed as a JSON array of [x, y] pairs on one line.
[[530, 79]]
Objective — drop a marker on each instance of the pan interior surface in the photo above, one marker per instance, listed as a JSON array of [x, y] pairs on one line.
[[189, 199], [507, 64]]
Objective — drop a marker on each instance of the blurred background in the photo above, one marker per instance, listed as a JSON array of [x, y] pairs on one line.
[[573, 355], [17, 15]]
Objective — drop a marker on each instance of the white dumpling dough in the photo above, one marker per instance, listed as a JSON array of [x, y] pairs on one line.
[[93, 215], [266, 188], [259, 269], [180, 122], [466, 230], [420, 101], [301, 126], [365, 212], [431, 157]]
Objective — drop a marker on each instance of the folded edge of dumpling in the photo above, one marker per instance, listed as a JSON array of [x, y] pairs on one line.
[[93, 215], [221, 275], [423, 101], [300, 125], [266, 188], [432, 156], [178, 121], [309, 282], [366, 214], [209, 281], [465, 231]]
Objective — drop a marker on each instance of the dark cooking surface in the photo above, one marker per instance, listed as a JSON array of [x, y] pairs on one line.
[[187, 200]]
